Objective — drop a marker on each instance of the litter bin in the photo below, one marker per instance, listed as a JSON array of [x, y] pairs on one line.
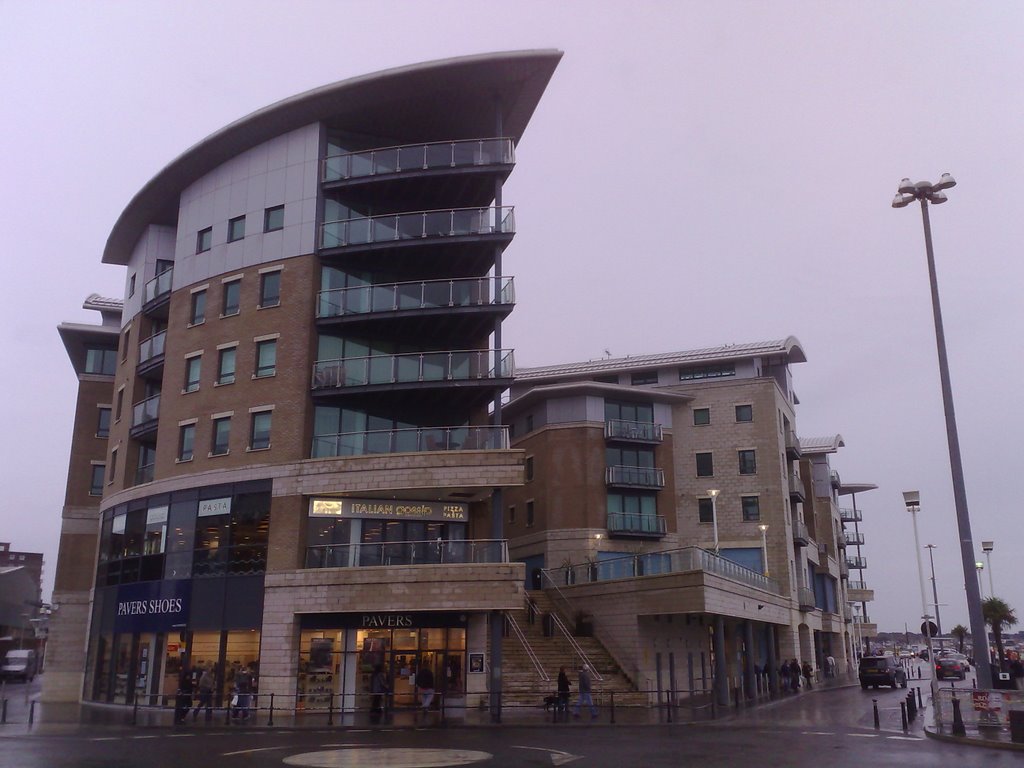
[[1016, 726]]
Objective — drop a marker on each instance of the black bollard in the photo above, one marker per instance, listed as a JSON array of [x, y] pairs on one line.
[[958, 719], [903, 714], [270, 719], [874, 706], [330, 710], [135, 711], [612, 709], [3, 711], [32, 712], [920, 704]]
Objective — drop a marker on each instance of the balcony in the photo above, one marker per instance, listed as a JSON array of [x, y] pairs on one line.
[[386, 163], [144, 474], [853, 538], [157, 294], [472, 303], [402, 553], [856, 563], [415, 227], [634, 477], [801, 537], [833, 477], [858, 592], [413, 440], [841, 541], [632, 431], [418, 370], [145, 415], [793, 450], [636, 526], [151, 354], [850, 515], [865, 627], [805, 599], [844, 569], [796, 488]]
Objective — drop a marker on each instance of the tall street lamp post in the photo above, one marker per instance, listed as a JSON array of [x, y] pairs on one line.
[[987, 547], [912, 500], [714, 515], [927, 192], [935, 591], [764, 545], [979, 567]]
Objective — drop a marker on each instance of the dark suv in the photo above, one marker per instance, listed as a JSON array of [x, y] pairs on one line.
[[881, 670]]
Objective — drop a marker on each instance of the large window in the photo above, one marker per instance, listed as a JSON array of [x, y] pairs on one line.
[[232, 298], [701, 417], [751, 508], [96, 481], [705, 510], [193, 368], [226, 366], [221, 436], [101, 361], [707, 372], [748, 462], [260, 432], [266, 358], [103, 422], [270, 289], [186, 442], [273, 218], [705, 465], [633, 513], [197, 312], [236, 228], [204, 239], [624, 411], [744, 413]]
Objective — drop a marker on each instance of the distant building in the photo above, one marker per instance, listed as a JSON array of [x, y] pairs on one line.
[[32, 562]]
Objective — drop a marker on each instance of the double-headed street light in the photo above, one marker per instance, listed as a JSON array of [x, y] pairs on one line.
[[927, 192]]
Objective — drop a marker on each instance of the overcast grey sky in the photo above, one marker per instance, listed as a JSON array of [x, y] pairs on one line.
[[697, 173]]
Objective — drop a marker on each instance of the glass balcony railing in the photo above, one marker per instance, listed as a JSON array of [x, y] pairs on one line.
[[144, 474], [410, 441], [800, 533], [423, 294], [857, 585], [855, 538], [796, 485], [417, 225], [653, 525], [635, 477], [852, 561], [158, 286], [805, 599], [394, 553], [640, 431], [152, 347], [146, 411], [418, 157], [850, 515], [415, 367]]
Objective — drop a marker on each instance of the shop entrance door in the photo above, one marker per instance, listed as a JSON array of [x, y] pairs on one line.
[[406, 667]]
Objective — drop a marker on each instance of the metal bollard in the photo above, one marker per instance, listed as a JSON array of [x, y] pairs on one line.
[[920, 703], [903, 714], [874, 705], [3, 711], [135, 711], [330, 710], [270, 719], [668, 705], [958, 719], [31, 711], [612, 705]]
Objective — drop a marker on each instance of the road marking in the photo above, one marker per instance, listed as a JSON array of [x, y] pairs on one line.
[[106, 738], [145, 737], [818, 733], [866, 735], [904, 738], [248, 751], [359, 757], [180, 735], [558, 757]]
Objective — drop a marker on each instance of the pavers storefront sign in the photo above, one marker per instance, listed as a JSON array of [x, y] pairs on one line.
[[155, 606]]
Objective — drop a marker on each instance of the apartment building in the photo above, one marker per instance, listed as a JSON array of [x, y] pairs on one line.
[[289, 451], [668, 499]]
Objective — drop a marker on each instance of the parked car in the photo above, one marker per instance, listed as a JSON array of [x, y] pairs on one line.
[[20, 664], [881, 670], [951, 665]]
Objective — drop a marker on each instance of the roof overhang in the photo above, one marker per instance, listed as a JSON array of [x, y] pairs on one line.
[[575, 389], [847, 489], [78, 337], [449, 98]]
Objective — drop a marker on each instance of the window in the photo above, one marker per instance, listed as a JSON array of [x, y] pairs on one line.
[[624, 411], [226, 366], [707, 372], [186, 442], [113, 466], [193, 366], [103, 423], [96, 482], [529, 468], [512, 515], [232, 298], [236, 228], [273, 218], [751, 509], [120, 404], [221, 436], [131, 286], [124, 343], [744, 413], [197, 314], [748, 463], [101, 361], [705, 511], [529, 513], [260, 432], [270, 289], [705, 465], [701, 417], [204, 239], [266, 358], [643, 377]]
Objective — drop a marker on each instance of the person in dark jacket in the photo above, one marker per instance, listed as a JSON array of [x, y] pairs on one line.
[[794, 674], [183, 701], [563, 692], [425, 682], [808, 672]]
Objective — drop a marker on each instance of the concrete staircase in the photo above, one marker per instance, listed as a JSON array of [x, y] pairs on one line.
[[522, 683]]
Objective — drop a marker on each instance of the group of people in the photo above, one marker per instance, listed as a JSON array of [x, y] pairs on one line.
[[583, 682], [790, 673], [380, 687], [196, 687]]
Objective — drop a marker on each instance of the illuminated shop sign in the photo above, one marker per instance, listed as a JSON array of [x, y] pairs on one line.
[[210, 507], [389, 510], [152, 606]]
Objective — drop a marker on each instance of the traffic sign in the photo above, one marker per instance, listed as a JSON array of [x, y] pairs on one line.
[[929, 629]]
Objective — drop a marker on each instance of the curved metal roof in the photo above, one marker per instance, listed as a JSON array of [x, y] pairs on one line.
[[449, 98]]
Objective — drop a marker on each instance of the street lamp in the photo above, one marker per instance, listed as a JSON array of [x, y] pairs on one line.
[[764, 545], [912, 500], [987, 547], [935, 591], [979, 567], [926, 192], [714, 514]]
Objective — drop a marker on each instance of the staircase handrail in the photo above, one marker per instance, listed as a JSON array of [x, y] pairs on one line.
[[557, 621], [528, 648]]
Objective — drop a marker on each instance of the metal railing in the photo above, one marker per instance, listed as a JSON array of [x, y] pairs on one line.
[[796, 484], [853, 537], [144, 474], [833, 477], [392, 553], [418, 157], [620, 522], [641, 431], [805, 599], [152, 347], [146, 410], [857, 585], [158, 286], [417, 225], [530, 653], [636, 477], [410, 440], [416, 295], [853, 561], [413, 367], [800, 532], [562, 604], [661, 562], [850, 515], [792, 442]]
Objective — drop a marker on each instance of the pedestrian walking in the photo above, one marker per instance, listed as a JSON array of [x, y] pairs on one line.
[[583, 681], [794, 674], [808, 672], [207, 680], [379, 689], [562, 705], [784, 676], [425, 682]]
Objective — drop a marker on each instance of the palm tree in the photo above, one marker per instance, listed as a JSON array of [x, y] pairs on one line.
[[998, 615], [960, 632]]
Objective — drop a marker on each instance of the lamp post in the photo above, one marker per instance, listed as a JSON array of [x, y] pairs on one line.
[[987, 547], [979, 567], [764, 545], [926, 193], [935, 591], [912, 500], [714, 514]]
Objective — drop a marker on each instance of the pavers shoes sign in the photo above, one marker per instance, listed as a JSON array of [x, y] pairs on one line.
[[156, 606]]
